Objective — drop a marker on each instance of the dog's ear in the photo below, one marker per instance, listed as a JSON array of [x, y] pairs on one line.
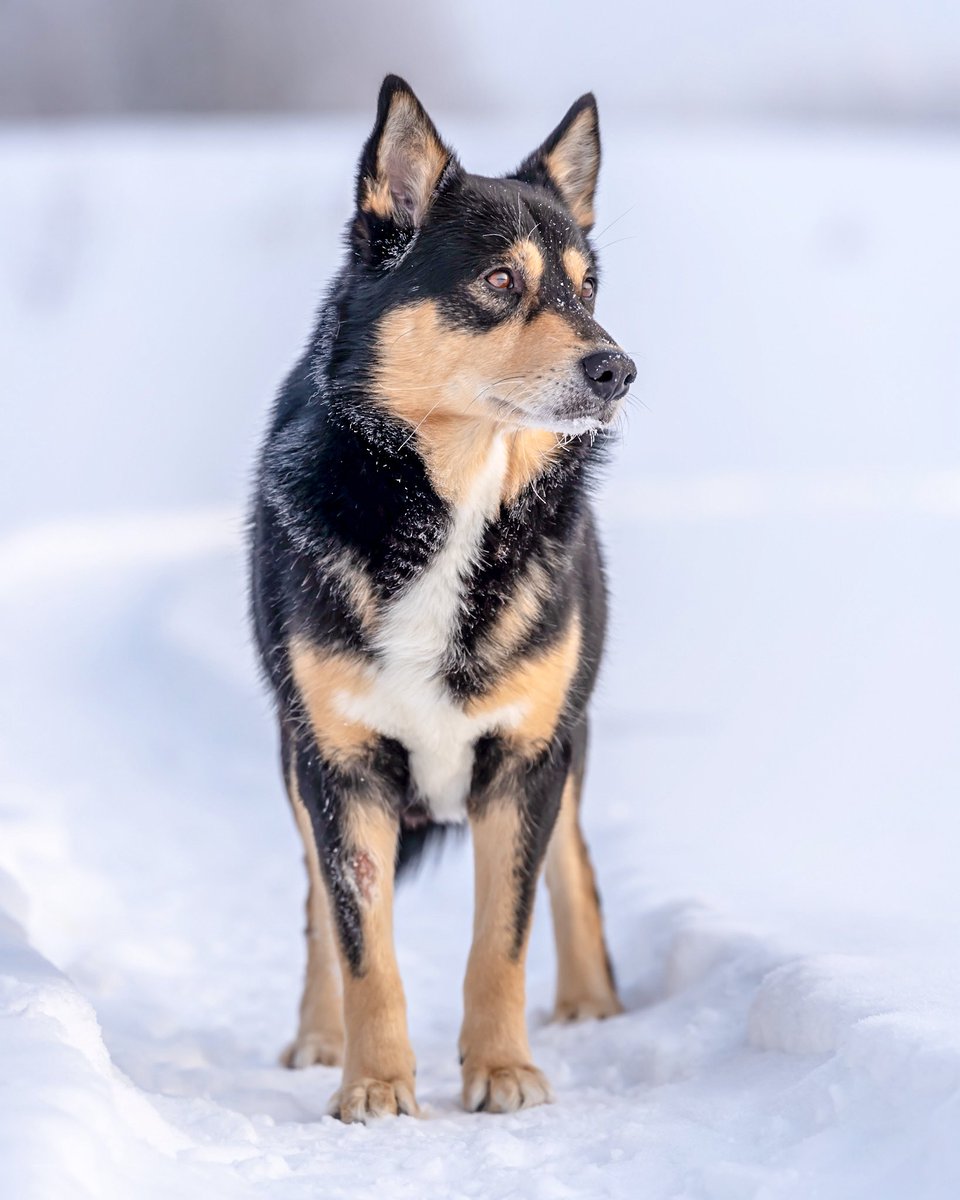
[[568, 162], [400, 168]]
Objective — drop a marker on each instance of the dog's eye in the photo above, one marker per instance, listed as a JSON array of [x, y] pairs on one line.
[[588, 290], [502, 280]]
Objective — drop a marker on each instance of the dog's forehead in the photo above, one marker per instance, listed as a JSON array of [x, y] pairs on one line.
[[510, 210]]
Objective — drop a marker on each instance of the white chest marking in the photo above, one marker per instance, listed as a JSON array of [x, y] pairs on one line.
[[407, 699]]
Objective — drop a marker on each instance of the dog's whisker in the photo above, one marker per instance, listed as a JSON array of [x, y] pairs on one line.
[[631, 237], [419, 425], [616, 219]]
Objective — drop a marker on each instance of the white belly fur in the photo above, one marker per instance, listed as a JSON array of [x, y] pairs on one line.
[[406, 699]]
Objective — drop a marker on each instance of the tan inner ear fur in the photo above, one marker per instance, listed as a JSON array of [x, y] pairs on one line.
[[443, 381], [573, 165], [410, 160]]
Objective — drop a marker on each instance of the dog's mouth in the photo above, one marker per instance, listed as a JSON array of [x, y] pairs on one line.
[[570, 414]]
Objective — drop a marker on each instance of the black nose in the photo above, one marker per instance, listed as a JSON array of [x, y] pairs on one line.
[[609, 373]]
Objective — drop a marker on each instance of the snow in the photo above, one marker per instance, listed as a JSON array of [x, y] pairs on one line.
[[772, 796]]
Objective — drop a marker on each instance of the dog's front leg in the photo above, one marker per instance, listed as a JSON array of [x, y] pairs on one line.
[[510, 833], [357, 843], [378, 1068]]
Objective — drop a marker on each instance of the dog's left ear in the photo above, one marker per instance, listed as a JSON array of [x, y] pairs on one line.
[[568, 162], [400, 167]]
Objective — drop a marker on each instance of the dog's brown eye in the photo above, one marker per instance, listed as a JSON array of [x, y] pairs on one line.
[[588, 290], [501, 279]]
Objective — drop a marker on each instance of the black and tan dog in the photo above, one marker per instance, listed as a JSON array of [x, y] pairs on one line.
[[427, 591]]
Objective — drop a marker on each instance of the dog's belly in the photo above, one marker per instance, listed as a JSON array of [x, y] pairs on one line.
[[405, 697]]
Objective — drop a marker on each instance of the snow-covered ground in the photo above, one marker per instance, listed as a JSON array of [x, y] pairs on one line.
[[773, 795]]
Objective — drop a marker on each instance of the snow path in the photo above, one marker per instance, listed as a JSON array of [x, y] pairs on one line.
[[740, 1069], [772, 796]]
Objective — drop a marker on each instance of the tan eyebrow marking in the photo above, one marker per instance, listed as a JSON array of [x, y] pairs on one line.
[[576, 265], [527, 256]]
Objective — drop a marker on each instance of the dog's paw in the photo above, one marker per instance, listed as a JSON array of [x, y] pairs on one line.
[[503, 1089], [363, 1099], [587, 1008], [312, 1049]]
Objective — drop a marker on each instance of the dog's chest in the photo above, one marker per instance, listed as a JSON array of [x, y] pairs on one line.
[[407, 698]]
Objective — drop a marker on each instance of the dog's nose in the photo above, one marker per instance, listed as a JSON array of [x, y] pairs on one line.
[[609, 373]]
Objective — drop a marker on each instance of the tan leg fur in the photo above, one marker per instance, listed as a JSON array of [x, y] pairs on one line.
[[498, 1074], [585, 985], [320, 1034], [379, 1068]]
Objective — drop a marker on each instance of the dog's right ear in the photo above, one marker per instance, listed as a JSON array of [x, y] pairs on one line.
[[400, 168]]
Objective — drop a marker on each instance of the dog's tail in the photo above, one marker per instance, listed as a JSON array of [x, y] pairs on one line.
[[420, 842]]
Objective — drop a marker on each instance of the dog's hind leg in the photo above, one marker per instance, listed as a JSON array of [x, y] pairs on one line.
[[320, 1034], [585, 984]]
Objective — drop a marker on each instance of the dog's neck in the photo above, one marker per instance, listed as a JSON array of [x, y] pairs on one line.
[[453, 447], [341, 472]]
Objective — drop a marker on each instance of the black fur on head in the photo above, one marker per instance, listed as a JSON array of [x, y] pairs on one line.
[[405, 164], [430, 245]]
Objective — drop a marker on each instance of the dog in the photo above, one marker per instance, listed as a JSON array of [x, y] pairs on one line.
[[427, 592]]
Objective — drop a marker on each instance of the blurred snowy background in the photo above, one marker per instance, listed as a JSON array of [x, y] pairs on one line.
[[774, 796]]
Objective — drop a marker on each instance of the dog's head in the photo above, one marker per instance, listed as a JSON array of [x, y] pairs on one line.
[[480, 292]]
